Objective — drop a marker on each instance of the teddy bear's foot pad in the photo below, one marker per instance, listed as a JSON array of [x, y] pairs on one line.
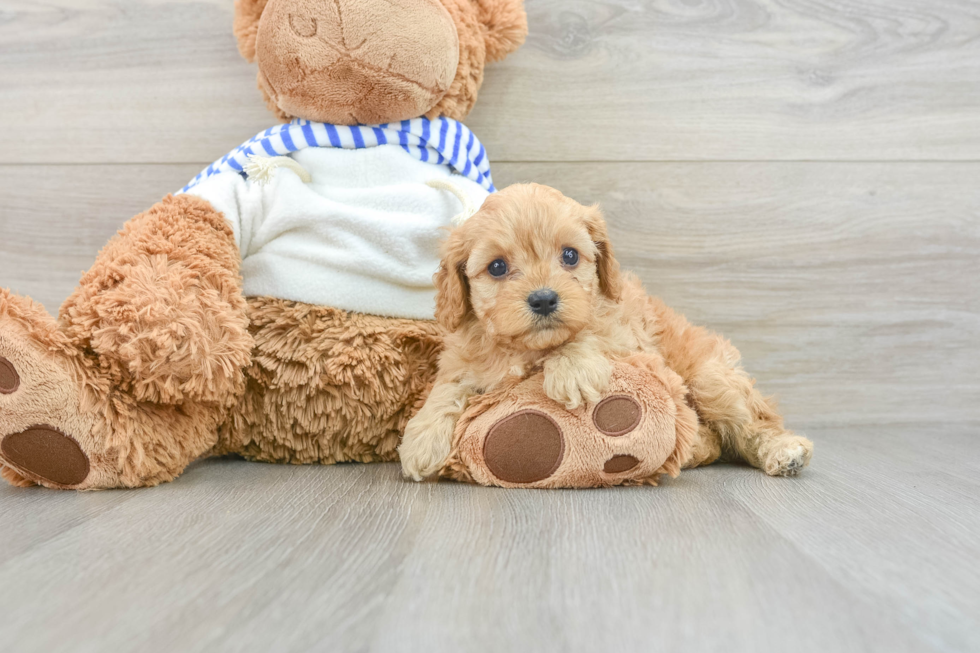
[[42, 427], [521, 438], [46, 453], [528, 446]]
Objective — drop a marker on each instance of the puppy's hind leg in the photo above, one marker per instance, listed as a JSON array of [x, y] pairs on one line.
[[750, 427], [732, 413], [705, 449]]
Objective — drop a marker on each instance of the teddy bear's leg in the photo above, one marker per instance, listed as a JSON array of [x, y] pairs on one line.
[[41, 421], [518, 437], [130, 385], [730, 408]]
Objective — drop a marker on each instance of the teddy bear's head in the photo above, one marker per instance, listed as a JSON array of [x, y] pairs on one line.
[[375, 61]]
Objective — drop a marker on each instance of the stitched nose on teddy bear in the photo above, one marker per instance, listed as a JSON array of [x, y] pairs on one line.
[[357, 61]]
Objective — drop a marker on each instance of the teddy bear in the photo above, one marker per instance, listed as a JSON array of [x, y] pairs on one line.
[[280, 306]]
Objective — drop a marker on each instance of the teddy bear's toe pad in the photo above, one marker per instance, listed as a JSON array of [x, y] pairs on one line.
[[524, 447], [47, 453], [44, 432], [518, 437], [620, 464], [617, 415], [9, 379]]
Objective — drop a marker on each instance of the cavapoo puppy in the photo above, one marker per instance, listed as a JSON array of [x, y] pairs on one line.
[[530, 283]]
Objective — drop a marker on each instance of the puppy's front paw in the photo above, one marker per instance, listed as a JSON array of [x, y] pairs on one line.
[[425, 447], [571, 380]]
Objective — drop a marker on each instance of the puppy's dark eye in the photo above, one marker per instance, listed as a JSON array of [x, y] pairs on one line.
[[569, 257], [498, 268]]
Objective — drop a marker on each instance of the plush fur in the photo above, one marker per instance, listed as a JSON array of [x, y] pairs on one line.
[[158, 359], [659, 444], [328, 386], [372, 61], [148, 354], [602, 316]]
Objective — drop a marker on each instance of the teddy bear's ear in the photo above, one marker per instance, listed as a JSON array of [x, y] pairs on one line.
[[506, 25], [247, 15]]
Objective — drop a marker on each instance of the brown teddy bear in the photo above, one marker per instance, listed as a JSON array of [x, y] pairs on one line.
[[280, 306]]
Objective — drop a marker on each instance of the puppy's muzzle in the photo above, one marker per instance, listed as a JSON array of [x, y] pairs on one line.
[[543, 302]]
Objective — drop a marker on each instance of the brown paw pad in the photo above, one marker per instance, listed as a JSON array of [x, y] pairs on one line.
[[9, 379], [524, 447], [47, 453], [620, 464], [617, 415]]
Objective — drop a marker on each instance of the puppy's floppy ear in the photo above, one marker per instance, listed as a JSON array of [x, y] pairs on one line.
[[506, 25], [452, 285], [247, 15], [607, 266]]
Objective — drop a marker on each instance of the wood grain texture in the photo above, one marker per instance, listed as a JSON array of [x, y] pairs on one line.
[[137, 81], [872, 549], [846, 286]]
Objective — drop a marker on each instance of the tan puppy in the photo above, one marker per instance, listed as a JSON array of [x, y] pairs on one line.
[[529, 283]]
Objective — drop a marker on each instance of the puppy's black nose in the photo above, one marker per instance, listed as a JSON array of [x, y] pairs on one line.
[[543, 302]]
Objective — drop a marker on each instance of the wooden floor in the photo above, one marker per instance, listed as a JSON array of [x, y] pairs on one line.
[[874, 549], [803, 175]]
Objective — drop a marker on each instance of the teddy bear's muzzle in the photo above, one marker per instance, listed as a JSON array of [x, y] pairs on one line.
[[356, 61]]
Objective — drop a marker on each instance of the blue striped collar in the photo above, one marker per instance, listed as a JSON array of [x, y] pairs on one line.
[[441, 142]]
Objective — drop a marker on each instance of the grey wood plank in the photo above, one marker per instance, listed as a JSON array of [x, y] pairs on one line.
[[660, 555], [242, 556], [161, 81], [55, 219], [889, 512], [848, 287], [33, 518]]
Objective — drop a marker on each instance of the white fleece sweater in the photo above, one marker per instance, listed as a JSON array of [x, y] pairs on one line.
[[362, 235]]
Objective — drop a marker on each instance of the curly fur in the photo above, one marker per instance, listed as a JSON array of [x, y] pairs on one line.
[[89, 395], [602, 316]]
